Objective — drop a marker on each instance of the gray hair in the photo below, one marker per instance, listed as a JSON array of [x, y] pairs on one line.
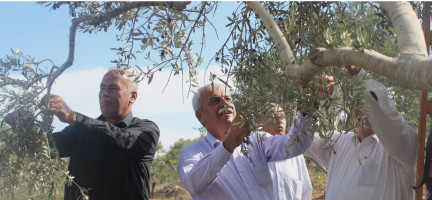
[[132, 85], [196, 100]]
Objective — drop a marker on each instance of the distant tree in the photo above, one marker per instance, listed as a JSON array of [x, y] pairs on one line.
[[164, 167]]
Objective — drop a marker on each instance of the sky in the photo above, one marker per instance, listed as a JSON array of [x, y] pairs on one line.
[[43, 34]]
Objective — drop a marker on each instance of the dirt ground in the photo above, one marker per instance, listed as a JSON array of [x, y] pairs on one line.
[[318, 194], [175, 191]]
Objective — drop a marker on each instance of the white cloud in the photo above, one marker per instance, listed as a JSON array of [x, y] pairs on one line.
[[80, 90], [171, 110]]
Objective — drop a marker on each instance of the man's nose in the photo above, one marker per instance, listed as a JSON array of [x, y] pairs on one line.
[[103, 92], [280, 119]]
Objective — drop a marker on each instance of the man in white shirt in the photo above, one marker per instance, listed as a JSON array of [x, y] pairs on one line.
[[290, 178], [215, 168], [378, 162]]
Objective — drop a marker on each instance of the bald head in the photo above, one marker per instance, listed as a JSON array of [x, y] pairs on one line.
[[117, 94], [132, 85]]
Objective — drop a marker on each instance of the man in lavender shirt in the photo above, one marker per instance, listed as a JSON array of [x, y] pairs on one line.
[[214, 167]]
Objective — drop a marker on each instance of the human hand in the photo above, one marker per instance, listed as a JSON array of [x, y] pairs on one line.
[[58, 107], [352, 70], [324, 85], [327, 91], [240, 128], [18, 115]]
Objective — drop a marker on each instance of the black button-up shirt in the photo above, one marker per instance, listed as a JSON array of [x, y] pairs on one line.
[[112, 161]]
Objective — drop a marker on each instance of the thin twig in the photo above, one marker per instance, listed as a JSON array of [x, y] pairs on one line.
[[187, 39]]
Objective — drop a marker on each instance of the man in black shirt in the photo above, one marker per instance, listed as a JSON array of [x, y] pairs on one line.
[[110, 156]]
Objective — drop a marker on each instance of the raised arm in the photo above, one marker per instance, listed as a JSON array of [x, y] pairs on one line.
[[398, 138], [292, 144], [138, 140], [200, 163], [318, 152]]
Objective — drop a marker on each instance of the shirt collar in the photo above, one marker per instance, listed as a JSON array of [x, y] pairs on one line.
[[212, 140], [370, 139], [125, 122]]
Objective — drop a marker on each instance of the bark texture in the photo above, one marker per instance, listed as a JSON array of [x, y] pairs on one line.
[[411, 69], [277, 36]]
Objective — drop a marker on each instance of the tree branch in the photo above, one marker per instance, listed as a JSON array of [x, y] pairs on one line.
[[347, 56], [276, 34], [179, 5], [407, 27], [400, 70], [99, 19], [188, 37], [411, 69]]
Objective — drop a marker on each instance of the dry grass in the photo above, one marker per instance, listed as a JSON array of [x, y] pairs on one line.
[[176, 191], [171, 191]]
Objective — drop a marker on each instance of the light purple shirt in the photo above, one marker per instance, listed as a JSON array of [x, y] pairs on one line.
[[208, 171]]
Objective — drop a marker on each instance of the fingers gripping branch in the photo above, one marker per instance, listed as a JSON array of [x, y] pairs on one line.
[[239, 130], [58, 107]]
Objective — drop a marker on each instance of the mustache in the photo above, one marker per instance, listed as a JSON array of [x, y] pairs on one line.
[[226, 109], [106, 100]]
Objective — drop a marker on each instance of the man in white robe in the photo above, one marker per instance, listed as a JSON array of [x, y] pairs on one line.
[[376, 163]]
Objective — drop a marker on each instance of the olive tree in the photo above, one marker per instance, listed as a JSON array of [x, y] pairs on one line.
[[270, 46]]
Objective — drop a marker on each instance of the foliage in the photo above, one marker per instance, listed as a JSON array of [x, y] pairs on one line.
[[155, 38], [165, 164], [158, 36], [27, 167], [27, 157], [262, 80], [259, 74], [27, 160]]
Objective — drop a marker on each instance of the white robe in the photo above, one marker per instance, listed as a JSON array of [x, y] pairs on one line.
[[388, 156]]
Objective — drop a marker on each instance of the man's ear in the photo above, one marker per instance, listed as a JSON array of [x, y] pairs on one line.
[[134, 96], [200, 118]]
